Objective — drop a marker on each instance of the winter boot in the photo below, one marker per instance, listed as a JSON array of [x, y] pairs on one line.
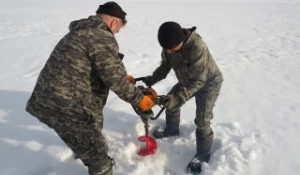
[[172, 127], [104, 169], [203, 154]]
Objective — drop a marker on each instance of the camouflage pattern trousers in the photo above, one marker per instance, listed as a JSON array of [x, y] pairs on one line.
[[82, 134], [205, 101]]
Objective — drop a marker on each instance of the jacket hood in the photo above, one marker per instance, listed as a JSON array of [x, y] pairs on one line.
[[90, 22], [190, 40]]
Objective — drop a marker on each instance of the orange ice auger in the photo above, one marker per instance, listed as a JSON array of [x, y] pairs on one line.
[[151, 144]]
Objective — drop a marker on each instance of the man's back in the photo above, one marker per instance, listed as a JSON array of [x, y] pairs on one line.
[[67, 79]]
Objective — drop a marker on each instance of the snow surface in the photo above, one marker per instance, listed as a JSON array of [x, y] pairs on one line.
[[256, 124]]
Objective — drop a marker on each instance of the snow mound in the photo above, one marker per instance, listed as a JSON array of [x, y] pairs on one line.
[[234, 149]]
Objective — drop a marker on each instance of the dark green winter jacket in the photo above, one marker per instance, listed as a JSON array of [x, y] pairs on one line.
[[193, 65]]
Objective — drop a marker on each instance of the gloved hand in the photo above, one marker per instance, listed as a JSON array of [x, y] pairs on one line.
[[146, 103], [131, 79], [149, 81], [164, 101]]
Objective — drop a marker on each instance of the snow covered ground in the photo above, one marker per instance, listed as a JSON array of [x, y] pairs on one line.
[[256, 124]]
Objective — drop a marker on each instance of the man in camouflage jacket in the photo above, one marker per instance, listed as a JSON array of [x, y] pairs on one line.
[[198, 76], [73, 86]]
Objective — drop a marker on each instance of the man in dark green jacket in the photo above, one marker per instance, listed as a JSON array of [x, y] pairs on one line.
[[73, 86], [198, 76]]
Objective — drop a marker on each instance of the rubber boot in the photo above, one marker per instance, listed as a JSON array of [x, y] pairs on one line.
[[106, 169], [172, 126], [202, 155]]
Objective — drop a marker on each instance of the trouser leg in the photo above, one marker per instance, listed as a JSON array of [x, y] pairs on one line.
[[82, 134], [172, 120], [86, 141], [205, 101], [173, 114]]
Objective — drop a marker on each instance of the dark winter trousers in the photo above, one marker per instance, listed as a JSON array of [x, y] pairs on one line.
[[82, 134], [205, 101]]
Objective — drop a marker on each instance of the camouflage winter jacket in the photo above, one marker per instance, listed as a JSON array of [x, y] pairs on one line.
[[193, 65], [81, 69]]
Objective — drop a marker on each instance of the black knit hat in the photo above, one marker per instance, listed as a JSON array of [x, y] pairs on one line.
[[170, 35], [111, 8]]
